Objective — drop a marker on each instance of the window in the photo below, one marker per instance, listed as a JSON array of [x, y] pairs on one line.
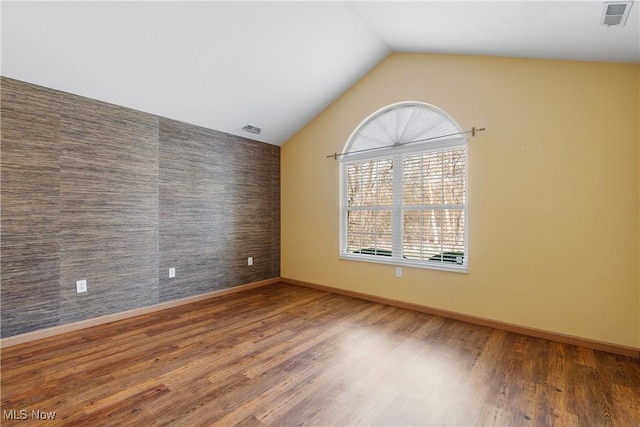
[[403, 189]]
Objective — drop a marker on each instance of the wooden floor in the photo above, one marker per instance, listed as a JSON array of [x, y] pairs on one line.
[[285, 355]]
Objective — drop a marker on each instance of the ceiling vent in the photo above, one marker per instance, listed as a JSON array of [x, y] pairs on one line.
[[616, 12], [252, 129]]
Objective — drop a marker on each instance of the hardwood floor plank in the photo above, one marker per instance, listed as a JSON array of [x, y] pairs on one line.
[[286, 355]]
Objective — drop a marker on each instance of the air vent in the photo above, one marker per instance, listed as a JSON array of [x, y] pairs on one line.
[[252, 129], [616, 12]]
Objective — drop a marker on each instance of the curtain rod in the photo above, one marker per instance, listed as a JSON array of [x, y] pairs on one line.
[[472, 132]]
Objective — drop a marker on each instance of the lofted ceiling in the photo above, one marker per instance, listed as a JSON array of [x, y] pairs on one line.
[[276, 65]]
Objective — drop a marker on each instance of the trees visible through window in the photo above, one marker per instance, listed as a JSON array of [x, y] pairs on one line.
[[404, 189]]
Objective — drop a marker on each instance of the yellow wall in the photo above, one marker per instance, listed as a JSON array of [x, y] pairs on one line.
[[554, 236]]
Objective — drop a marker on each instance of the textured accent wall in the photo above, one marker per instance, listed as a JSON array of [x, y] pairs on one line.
[[108, 208], [219, 205], [30, 208], [100, 192]]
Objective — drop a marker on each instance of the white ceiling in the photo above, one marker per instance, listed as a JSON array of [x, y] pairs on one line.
[[276, 65]]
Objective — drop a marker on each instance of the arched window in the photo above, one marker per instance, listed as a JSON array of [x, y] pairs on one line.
[[404, 189]]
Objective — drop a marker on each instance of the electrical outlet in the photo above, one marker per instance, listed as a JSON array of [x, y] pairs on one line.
[[250, 260], [172, 272], [81, 285], [398, 271]]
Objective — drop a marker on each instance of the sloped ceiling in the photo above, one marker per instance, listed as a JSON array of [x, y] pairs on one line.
[[276, 65]]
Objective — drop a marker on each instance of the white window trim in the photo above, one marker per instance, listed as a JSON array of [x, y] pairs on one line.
[[397, 153]]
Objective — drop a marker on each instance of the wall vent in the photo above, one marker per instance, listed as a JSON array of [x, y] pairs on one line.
[[616, 12], [252, 129]]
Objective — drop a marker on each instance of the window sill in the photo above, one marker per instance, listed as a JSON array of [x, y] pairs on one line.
[[454, 268]]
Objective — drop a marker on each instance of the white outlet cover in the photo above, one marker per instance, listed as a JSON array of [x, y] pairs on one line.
[[172, 273], [81, 285]]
